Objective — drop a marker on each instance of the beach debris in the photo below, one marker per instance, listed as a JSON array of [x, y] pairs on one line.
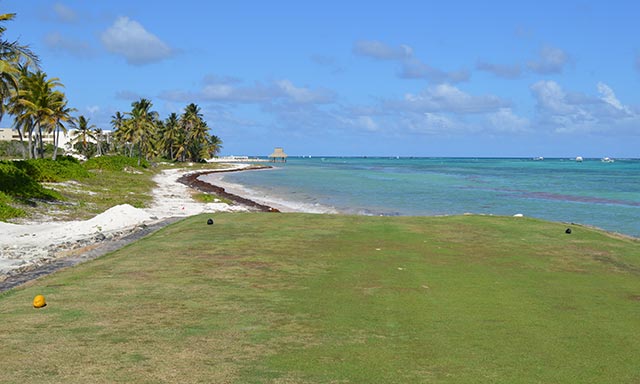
[[39, 302], [568, 231], [518, 215], [210, 222]]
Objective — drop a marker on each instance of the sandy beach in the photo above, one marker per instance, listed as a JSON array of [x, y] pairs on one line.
[[24, 247], [283, 205]]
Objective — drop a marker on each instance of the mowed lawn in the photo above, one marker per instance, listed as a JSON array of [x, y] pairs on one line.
[[298, 298]]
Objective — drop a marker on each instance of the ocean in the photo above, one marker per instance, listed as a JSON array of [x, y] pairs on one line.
[[592, 192]]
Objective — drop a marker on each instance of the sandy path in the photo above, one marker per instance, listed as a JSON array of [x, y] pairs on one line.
[[26, 246]]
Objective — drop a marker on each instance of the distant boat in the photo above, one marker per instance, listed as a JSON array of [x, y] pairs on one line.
[[607, 160], [539, 158], [579, 159]]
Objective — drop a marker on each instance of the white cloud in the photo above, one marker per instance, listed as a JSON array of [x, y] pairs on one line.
[[64, 13], [574, 112], [59, 43], [447, 98], [411, 67], [130, 39], [610, 98], [551, 60], [504, 120], [416, 69], [551, 98], [504, 71], [215, 79], [228, 90], [128, 95], [381, 51], [432, 123], [305, 95], [361, 123]]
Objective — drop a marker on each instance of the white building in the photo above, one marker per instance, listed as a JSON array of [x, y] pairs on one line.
[[10, 134]]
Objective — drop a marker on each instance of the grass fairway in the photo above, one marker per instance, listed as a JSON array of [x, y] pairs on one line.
[[296, 298]]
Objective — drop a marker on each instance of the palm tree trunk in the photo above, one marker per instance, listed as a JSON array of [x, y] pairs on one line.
[[40, 142], [56, 140], [24, 149], [30, 136]]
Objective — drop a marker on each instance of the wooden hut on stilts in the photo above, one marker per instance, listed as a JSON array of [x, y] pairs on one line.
[[278, 155]]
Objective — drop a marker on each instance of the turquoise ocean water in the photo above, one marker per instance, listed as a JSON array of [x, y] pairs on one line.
[[606, 195]]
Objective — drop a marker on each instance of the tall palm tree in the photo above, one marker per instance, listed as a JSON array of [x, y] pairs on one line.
[[198, 138], [34, 104], [142, 122], [61, 116], [195, 131], [122, 132], [99, 135], [170, 135], [191, 117], [84, 133], [12, 55], [215, 145]]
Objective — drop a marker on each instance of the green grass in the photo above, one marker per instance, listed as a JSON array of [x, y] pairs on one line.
[[76, 191], [210, 198], [295, 298]]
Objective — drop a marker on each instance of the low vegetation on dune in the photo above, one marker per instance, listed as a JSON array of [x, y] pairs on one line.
[[69, 189], [284, 298], [66, 189]]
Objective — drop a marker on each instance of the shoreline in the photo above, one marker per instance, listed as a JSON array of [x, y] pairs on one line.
[[34, 254], [193, 180], [34, 249], [277, 202]]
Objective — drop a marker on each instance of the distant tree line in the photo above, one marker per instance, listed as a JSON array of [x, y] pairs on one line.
[[39, 108]]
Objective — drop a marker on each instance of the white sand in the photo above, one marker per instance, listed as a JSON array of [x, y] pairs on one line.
[[25, 245], [282, 205]]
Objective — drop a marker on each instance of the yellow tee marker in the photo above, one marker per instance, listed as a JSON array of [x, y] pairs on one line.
[[39, 302]]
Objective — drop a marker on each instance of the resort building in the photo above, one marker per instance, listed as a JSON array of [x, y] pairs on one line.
[[278, 155], [65, 139]]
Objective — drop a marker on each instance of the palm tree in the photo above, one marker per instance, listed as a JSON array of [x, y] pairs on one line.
[[195, 131], [170, 134], [12, 55], [34, 104], [215, 145], [61, 115], [142, 123], [198, 138], [84, 133], [99, 136]]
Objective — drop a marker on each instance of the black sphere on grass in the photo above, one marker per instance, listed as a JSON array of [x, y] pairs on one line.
[[568, 231], [210, 222]]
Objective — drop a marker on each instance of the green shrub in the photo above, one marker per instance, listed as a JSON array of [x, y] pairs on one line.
[[17, 183], [53, 171], [11, 149], [114, 163], [6, 210]]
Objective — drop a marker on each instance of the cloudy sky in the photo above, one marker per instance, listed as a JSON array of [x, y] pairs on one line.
[[391, 78]]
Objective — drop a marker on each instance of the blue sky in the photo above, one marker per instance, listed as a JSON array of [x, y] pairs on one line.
[[390, 78]]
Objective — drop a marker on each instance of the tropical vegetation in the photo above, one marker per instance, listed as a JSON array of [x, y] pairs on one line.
[[39, 108]]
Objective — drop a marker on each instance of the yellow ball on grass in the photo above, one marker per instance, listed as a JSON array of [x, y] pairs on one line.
[[39, 302]]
